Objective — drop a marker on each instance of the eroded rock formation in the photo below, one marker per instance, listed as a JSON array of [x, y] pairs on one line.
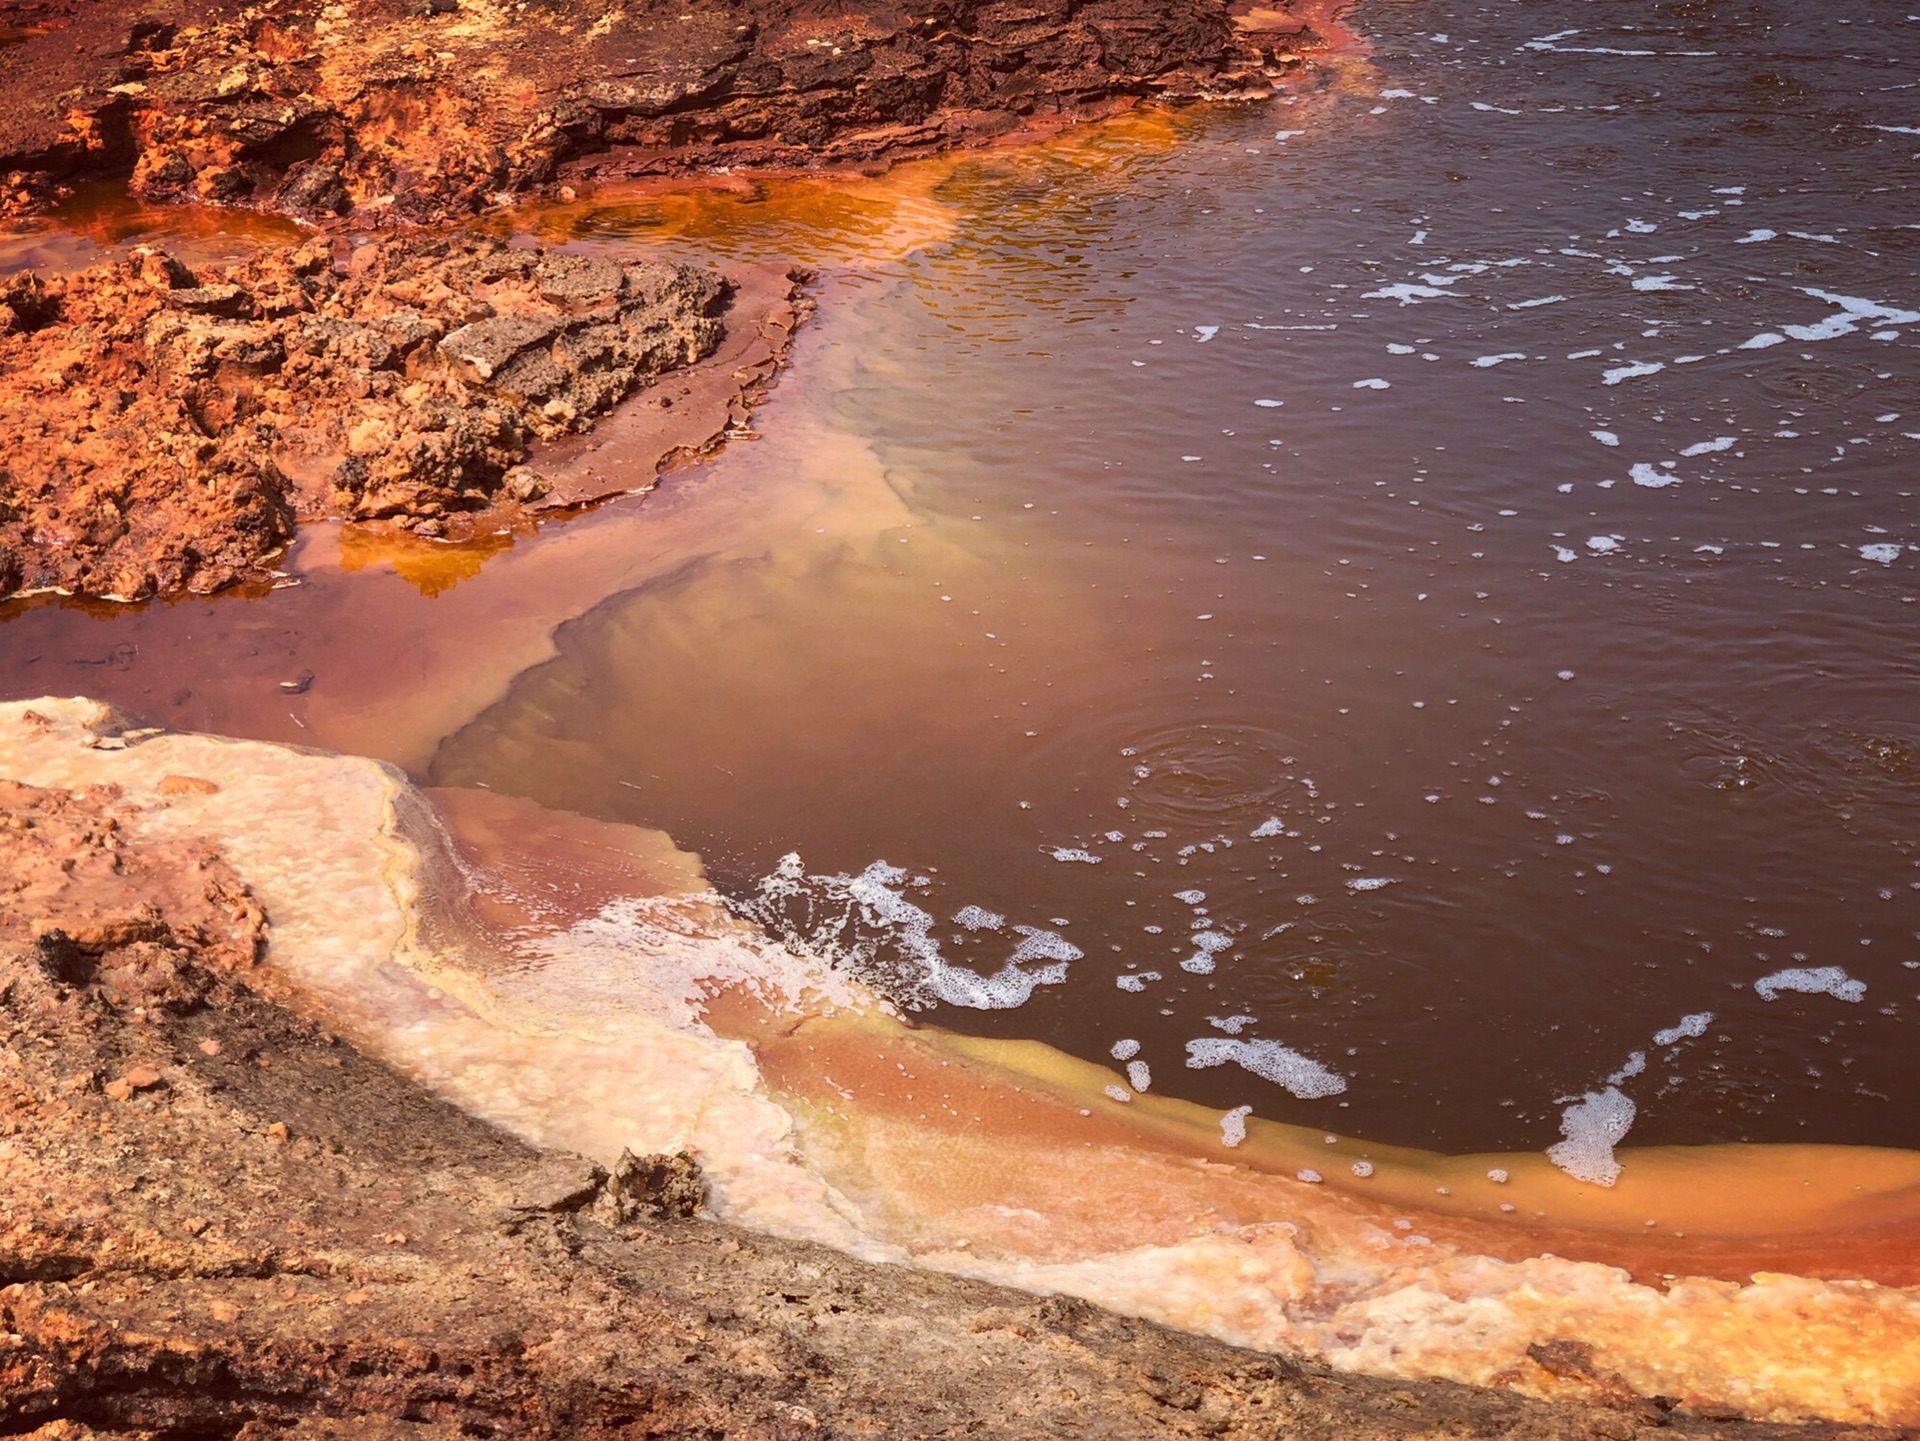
[[162, 430], [396, 110]]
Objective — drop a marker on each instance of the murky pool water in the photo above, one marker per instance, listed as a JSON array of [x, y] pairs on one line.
[[1391, 609], [1402, 618]]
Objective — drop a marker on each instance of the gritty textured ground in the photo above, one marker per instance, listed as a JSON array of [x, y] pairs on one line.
[[218, 1220], [162, 430]]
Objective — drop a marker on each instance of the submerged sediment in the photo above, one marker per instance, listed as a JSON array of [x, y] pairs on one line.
[[165, 430], [221, 1209]]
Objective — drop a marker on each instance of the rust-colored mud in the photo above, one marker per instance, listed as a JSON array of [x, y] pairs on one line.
[[165, 430]]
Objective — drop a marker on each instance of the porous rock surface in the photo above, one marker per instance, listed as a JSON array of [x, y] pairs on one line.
[[413, 109], [219, 1220], [162, 430]]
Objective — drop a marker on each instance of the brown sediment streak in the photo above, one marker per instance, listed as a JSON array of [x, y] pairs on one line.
[[566, 978], [1724, 1210]]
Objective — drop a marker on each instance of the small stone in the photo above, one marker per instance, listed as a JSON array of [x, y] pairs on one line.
[[210, 1047], [560, 1183], [665, 1187], [277, 1131], [140, 1078]]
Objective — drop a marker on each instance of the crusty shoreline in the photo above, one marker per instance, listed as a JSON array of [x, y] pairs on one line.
[[219, 1220], [163, 430]]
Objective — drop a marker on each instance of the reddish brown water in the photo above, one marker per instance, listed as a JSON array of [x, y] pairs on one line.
[[101, 220], [1496, 746], [1553, 625]]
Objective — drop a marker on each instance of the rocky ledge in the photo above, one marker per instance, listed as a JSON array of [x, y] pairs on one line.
[[162, 430], [219, 1220], [407, 110]]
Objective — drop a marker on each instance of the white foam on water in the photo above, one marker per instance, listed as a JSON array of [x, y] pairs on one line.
[[978, 918], [1232, 1025], [1207, 944], [1487, 362], [1565, 554], [1371, 883], [1603, 544], [1885, 552], [1376, 383], [1135, 982], [1636, 1063], [1631, 372], [1409, 292], [866, 927], [1531, 304], [1813, 981], [1851, 313], [1660, 282], [1689, 1027], [1592, 1127], [1192, 898], [1605, 437], [1074, 853], [1233, 1125], [1271, 826], [1271, 1061], [1651, 476], [1138, 1076], [1754, 237], [1711, 447], [1124, 1050]]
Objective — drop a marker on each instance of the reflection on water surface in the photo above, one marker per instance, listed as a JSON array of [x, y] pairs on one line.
[[1412, 581]]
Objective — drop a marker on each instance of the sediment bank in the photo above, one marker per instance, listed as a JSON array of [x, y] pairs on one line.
[[224, 1215], [221, 1220]]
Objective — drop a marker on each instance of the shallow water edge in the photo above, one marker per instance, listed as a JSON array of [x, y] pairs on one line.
[[628, 1009]]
